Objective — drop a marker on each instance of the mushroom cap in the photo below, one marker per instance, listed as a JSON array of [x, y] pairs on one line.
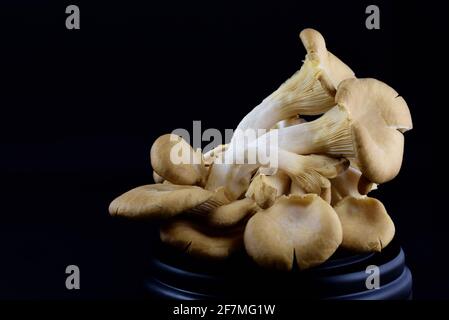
[[231, 214], [201, 242], [187, 169], [379, 116], [301, 226], [334, 69], [157, 201], [366, 224], [265, 189]]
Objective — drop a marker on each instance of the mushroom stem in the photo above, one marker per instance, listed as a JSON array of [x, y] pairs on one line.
[[158, 201], [301, 94], [330, 134]]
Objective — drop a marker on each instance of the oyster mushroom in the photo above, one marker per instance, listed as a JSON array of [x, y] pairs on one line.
[[200, 241], [366, 126], [157, 201], [175, 160], [366, 224], [380, 117], [301, 227]]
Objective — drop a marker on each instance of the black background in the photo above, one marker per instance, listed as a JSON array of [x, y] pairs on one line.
[[81, 108]]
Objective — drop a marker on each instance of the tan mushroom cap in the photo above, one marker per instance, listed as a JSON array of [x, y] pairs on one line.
[[156, 201], [175, 160], [232, 214], [379, 116], [265, 189], [334, 70], [305, 227], [366, 224], [201, 242]]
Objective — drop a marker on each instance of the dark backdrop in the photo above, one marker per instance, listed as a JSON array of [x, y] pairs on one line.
[[81, 108]]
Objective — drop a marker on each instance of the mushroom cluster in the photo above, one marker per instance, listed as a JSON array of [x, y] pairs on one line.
[[314, 201]]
